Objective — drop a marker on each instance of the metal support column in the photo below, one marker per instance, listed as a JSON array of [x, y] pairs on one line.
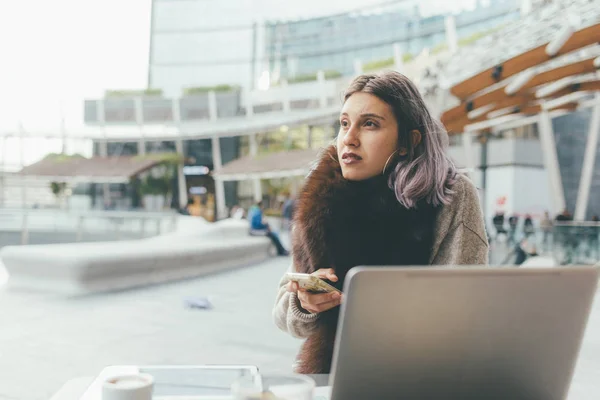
[[21, 165], [256, 185], [286, 96], [212, 105], [103, 149], [139, 119], [589, 160], [248, 103], [25, 222], [181, 183], [253, 145], [219, 184], [257, 189], [468, 148], [484, 167], [551, 161], [3, 170]]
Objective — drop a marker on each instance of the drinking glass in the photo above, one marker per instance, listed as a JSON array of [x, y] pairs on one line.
[[273, 387]]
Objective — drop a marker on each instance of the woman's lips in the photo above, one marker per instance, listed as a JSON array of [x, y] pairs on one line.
[[350, 158]]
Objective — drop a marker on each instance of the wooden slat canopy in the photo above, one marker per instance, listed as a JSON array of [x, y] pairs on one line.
[[496, 95], [531, 58], [474, 96], [456, 127]]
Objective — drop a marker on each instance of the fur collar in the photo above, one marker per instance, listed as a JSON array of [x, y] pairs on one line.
[[341, 224]]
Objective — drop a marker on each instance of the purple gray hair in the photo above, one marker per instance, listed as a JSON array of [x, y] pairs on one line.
[[427, 173]]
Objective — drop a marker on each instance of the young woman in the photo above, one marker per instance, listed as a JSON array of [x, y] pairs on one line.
[[386, 194]]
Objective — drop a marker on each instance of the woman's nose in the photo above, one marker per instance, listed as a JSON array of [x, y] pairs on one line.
[[351, 137]]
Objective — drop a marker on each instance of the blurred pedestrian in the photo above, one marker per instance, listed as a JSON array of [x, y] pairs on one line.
[[546, 227], [288, 212], [513, 222], [528, 228], [498, 222]]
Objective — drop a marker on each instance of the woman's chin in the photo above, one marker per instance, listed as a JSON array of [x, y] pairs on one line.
[[352, 175]]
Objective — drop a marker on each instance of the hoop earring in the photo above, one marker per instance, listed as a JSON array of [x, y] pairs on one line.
[[386, 163], [401, 157]]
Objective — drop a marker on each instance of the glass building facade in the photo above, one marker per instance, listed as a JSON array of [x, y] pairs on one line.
[[571, 134], [333, 43], [207, 43]]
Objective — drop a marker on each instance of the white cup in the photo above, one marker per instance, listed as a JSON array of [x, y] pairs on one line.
[[128, 387]]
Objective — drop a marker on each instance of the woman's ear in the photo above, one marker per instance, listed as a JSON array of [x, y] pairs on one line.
[[415, 137]]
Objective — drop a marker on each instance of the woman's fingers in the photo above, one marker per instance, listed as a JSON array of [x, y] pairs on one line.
[[320, 302], [322, 307], [316, 298], [292, 287], [326, 273]]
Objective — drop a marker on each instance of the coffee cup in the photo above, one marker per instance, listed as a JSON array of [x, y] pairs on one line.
[[128, 387]]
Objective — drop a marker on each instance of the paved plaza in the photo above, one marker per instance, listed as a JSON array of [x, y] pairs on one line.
[[47, 340]]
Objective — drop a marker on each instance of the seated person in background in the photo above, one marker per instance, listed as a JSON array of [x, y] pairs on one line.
[[259, 228]]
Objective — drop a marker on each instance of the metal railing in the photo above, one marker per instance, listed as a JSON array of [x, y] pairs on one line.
[[567, 242], [212, 105], [114, 224]]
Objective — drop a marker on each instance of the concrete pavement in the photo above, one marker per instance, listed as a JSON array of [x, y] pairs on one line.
[[45, 341]]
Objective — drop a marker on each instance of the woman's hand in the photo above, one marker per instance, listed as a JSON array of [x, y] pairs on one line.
[[317, 302]]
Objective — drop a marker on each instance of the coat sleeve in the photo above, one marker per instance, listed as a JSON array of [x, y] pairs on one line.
[[462, 246], [463, 238], [289, 316]]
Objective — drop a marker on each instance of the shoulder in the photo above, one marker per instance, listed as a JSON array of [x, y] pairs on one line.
[[464, 207], [460, 236], [466, 193]]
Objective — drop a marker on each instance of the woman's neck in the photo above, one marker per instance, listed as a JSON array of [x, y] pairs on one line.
[[377, 184]]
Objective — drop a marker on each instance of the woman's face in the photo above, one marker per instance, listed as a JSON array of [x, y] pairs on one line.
[[368, 136]]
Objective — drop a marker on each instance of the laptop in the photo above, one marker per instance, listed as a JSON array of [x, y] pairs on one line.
[[461, 333]]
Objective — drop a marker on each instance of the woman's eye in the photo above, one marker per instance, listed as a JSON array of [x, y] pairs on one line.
[[344, 123], [370, 124]]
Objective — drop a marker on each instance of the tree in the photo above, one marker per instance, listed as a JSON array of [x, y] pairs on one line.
[[58, 189], [159, 180]]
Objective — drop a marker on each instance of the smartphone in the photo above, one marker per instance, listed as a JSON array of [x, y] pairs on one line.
[[311, 283]]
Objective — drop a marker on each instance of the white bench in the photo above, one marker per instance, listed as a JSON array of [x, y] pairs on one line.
[[198, 248]]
